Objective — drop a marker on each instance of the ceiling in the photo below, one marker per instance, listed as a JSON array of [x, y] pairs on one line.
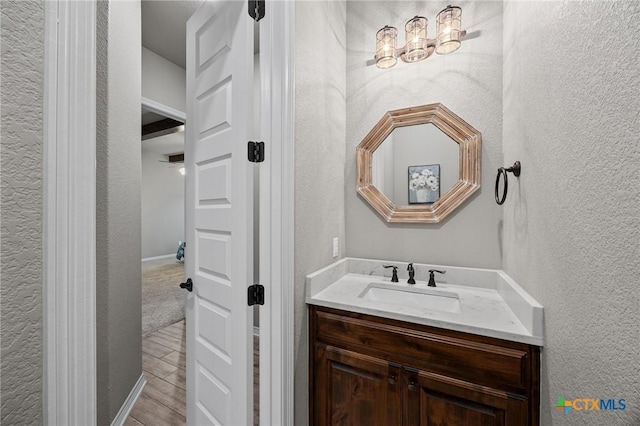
[[150, 117], [165, 145], [164, 27]]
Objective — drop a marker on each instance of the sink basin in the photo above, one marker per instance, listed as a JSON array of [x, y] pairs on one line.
[[437, 300]]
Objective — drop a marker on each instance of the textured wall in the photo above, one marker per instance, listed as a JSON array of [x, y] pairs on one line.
[[571, 222], [469, 82], [320, 113], [162, 205], [163, 81], [118, 252], [21, 180]]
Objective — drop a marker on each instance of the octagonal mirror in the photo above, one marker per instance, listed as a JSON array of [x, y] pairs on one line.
[[418, 164]]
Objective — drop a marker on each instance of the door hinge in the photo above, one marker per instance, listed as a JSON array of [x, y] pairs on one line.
[[255, 295], [256, 9], [256, 152]]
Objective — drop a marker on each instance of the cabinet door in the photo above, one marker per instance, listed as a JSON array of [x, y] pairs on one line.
[[432, 399], [354, 389]]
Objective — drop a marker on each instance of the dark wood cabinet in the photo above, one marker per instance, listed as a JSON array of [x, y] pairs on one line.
[[367, 370], [359, 389], [433, 399]]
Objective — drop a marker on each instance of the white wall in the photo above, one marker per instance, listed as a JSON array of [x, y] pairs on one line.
[[320, 112], [163, 81], [469, 82], [118, 272], [21, 180], [162, 205], [162, 187], [571, 222]]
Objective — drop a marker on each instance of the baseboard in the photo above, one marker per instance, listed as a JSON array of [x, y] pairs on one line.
[[126, 408], [164, 256]]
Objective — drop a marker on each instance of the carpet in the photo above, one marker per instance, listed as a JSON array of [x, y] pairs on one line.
[[162, 298]]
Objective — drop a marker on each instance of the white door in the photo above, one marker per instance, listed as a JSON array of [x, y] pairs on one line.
[[219, 232]]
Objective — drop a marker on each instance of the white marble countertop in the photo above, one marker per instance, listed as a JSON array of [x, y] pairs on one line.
[[491, 303]]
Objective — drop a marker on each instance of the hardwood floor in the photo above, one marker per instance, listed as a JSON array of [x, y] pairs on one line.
[[163, 400]]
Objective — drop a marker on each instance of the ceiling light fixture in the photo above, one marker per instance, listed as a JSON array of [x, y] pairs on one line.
[[418, 47], [181, 170]]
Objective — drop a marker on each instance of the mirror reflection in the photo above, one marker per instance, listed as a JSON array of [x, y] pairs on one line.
[[415, 165], [448, 152]]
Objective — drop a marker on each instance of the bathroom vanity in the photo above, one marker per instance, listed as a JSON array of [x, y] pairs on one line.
[[463, 353]]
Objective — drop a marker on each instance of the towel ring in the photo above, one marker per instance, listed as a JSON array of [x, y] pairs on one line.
[[515, 169]]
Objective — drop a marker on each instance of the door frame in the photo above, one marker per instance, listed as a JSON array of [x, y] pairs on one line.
[[69, 284], [277, 213], [69, 234]]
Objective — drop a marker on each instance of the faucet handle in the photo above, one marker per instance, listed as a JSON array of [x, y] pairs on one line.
[[394, 278], [412, 273], [432, 280]]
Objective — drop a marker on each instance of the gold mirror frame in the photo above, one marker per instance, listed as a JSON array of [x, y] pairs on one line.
[[469, 168]]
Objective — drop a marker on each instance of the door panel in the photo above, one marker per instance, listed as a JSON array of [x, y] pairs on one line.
[[219, 196], [355, 389], [432, 399], [442, 409]]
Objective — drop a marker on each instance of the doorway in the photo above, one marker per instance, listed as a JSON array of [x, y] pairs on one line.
[[163, 399], [163, 156], [75, 398], [162, 206]]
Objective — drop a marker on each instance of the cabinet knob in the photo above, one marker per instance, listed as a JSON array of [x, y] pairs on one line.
[[412, 385], [392, 379]]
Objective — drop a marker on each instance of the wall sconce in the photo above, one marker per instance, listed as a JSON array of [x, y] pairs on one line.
[[418, 47]]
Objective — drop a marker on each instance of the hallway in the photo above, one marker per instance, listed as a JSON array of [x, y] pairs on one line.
[[163, 399]]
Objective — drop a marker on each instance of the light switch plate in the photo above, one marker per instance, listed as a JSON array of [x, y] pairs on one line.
[[336, 247]]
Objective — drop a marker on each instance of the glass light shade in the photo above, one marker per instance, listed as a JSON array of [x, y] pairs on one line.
[[386, 52], [181, 170], [416, 38], [449, 30]]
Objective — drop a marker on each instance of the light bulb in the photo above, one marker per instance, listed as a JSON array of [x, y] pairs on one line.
[[386, 47], [416, 37], [448, 30]]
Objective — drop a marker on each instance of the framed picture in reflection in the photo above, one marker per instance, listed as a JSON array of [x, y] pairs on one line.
[[424, 184]]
